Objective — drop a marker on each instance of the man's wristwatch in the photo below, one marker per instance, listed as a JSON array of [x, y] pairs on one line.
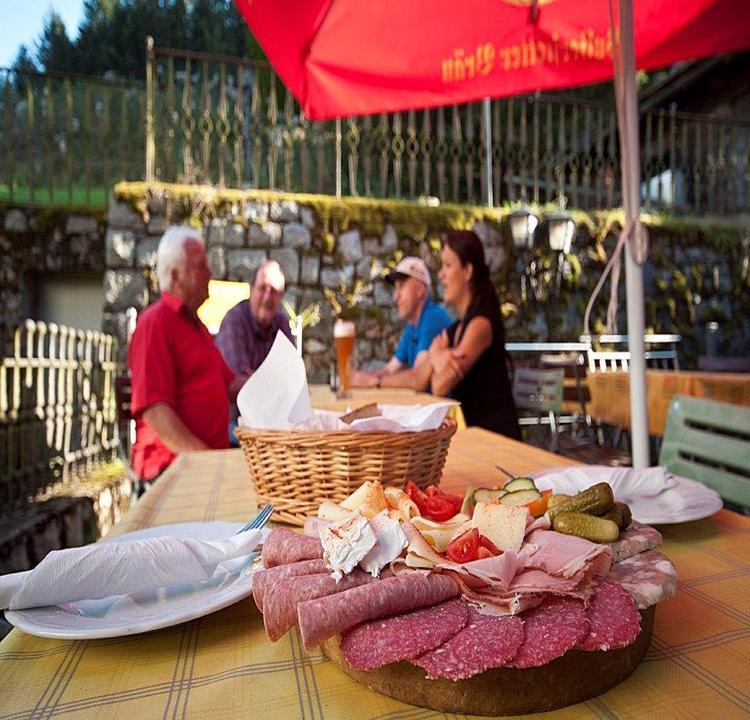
[[378, 378]]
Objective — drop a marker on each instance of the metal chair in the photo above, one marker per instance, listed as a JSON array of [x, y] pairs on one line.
[[539, 394], [709, 441]]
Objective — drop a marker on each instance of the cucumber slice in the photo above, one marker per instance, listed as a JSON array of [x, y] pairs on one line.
[[520, 497], [467, 506], [487, 495], [519, 483]]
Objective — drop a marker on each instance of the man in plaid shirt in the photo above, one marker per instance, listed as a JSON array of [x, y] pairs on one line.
[[248, 330]]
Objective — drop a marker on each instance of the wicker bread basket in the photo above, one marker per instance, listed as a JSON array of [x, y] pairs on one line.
[[297, 471]]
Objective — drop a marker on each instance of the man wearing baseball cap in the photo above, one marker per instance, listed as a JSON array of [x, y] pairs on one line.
[[412, 293]]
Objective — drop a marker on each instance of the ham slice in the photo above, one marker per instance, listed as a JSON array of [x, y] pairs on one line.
[[566, 555], [262, 578], [327, 616], [283, 546], [282, 597]]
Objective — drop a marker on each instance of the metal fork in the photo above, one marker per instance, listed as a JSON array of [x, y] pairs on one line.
[[259, 520]]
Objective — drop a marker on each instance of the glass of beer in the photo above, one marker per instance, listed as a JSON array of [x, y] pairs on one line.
[[343, 336]]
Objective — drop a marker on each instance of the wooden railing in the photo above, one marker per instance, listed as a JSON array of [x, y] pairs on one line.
[[57, 408]]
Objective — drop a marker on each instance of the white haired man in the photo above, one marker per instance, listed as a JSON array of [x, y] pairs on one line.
[[412, 293], [181, 384], [248, 330]]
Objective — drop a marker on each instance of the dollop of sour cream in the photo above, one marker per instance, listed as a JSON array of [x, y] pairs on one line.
[[346, 542]]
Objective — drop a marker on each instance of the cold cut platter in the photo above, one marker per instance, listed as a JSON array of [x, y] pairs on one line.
[[472, 605]]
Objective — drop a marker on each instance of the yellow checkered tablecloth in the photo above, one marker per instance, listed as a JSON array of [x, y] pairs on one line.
[[222, 666]]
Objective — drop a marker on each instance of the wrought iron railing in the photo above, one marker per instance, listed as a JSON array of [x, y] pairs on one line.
[[66, 139], [57, 408], [229, 121]]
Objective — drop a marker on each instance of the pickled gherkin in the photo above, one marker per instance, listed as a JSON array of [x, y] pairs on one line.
[[590, 527], [595, 500]]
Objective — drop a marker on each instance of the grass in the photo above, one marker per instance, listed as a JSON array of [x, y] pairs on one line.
[[77, 196]]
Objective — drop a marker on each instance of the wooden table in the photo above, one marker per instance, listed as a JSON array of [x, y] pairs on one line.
[[222, 665], [610, 393], [322, 397]]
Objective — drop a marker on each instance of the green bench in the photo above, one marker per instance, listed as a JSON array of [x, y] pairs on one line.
[[709, 441]]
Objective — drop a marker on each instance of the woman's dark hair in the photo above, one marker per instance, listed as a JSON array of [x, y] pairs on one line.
[[470, 251]]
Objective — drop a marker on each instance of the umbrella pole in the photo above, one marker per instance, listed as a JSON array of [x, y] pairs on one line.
[[631, 181]]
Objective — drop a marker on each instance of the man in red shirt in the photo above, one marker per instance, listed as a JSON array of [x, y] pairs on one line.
[[181, 384]]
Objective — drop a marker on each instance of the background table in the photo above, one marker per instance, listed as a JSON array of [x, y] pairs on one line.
[[323, 398], [222, 666], [610, 393]]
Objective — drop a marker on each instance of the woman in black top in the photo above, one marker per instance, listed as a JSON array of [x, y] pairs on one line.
[[468, 360]]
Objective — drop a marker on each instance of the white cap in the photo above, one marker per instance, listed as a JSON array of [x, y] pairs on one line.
[[411, 267]]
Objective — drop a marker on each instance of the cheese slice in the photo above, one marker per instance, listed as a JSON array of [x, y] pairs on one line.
[[439, 534], [504, 525], [369, 499]]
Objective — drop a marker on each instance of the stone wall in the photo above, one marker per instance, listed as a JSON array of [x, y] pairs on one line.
[[35, 240], [243, 234], [696, 272]]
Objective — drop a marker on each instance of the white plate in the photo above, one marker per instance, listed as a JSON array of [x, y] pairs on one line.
[[685, 501], [147, 610]]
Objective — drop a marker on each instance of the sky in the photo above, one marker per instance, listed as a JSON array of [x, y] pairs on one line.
[[22, 22]]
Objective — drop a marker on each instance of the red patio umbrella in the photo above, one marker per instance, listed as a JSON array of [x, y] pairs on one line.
[[351, 57]]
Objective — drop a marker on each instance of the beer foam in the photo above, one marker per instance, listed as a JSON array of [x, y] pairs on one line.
[[343, 328]]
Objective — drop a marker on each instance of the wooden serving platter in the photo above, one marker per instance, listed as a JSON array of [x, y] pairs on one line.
[[572, 678]]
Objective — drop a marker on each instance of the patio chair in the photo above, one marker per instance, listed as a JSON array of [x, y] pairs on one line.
[[709, 441], [609, 353], [538, 395]]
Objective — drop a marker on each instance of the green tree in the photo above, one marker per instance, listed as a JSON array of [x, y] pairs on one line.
[[54, 48], [112, 34]]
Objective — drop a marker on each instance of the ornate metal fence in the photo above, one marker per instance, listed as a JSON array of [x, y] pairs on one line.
[[231, 122], [57, 408], [66, 139]]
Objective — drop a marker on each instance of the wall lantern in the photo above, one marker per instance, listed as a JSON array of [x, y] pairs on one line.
[[562, 228], [523, 222]]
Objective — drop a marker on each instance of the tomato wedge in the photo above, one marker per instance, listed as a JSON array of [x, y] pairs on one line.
[[465, 547], [415, 494], [438, 508], [487, 544], [483, 553]]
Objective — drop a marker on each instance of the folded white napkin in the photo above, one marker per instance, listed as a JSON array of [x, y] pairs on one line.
[[627, 484], [118, 568], [393, 418]]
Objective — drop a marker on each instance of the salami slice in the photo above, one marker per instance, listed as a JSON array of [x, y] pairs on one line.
[[403, 637], [615, 621], [262, 578], [282, 597], [324, 617], [487, 641], [283, 546], [552, 628]]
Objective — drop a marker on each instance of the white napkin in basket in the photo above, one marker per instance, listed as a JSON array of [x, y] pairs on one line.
[[117, 568]]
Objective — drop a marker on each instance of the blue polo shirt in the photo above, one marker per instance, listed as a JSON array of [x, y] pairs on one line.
[[432, 322]]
